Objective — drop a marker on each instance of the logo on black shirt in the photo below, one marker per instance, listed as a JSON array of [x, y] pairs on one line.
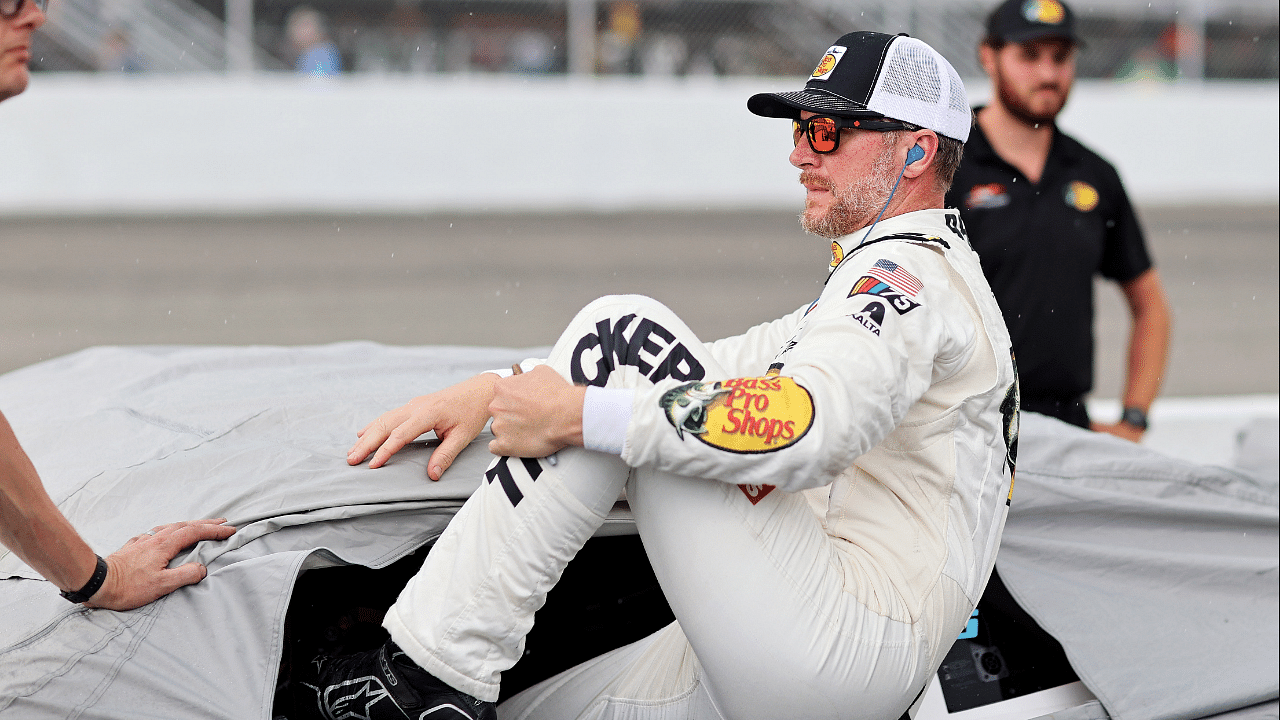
[[987, 197], [1080, 195]]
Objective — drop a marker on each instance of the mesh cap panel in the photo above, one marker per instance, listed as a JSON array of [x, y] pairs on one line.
[[919, 86], [912, 73]]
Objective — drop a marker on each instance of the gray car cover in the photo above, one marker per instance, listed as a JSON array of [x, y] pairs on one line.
[[1158, 577]]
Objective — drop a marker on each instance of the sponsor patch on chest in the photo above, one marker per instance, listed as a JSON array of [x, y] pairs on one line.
[[875, 287], [1080, 195], [871, 317]]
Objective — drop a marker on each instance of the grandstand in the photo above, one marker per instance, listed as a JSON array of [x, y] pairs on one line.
[[1170, 39]]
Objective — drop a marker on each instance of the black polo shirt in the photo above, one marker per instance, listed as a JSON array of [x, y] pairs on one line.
[[1040, 246]]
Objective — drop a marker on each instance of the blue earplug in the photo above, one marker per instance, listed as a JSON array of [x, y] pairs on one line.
[[915, 153]]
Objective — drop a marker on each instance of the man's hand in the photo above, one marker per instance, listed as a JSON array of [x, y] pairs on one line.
[[457, 414], [138, 573], [535, 414], [1120, 430]]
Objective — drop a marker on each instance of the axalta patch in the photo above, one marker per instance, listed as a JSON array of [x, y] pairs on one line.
[[828, 63]]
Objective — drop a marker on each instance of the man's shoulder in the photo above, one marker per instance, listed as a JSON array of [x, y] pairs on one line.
[[1072, 148]]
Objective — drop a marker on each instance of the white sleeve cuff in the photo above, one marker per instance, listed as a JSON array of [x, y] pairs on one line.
[[606, 412]]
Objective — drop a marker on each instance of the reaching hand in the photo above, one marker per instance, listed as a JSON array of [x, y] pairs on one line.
[[535, 414], [457, 414], [138, 573], [1120, 430]]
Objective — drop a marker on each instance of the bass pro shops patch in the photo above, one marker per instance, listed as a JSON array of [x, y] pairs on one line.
[[742, 415], [828, 63]]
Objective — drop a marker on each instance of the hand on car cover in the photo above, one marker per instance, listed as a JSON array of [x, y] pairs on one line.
[[457, 414], [139, 572]]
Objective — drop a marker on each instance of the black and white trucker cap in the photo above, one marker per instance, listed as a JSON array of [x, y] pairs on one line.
[[870, 74], [1019, 21]]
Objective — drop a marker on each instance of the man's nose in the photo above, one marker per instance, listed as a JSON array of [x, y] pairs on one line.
[[803, 154], [32, 15]]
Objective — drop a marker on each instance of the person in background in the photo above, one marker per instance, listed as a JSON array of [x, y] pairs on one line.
[[316, 53], [30, 523], [1046, 214]]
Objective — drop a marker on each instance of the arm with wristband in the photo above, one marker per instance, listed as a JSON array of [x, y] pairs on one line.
[[37, 532]]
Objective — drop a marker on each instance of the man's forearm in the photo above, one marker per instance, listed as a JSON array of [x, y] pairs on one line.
[[32, 526], [1148, 341]]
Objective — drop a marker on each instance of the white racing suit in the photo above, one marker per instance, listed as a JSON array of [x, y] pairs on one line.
[[821, 498]]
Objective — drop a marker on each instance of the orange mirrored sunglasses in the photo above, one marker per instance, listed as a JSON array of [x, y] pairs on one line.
[[823, 131]]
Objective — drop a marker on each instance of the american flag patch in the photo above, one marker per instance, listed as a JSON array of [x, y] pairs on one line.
[[892, 273]]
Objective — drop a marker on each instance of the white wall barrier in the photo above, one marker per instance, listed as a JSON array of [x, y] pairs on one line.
[[279, 143]]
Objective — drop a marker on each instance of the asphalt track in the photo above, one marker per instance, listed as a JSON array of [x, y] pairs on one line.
[[515, 280]]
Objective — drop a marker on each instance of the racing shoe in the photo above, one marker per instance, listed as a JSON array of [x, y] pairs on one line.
[[384, 684]]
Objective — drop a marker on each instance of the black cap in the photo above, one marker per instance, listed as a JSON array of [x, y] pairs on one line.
[[841, 84], [873, 75], [1019, 21]]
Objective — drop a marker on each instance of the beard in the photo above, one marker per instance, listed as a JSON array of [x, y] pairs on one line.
[[856, 204], [1022, 110]]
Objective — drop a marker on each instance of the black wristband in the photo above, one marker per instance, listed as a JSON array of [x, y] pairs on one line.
[[95, 582], [1135, 417]]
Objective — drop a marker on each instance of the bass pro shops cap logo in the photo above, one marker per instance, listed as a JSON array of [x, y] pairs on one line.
[[1049, 12], [742, 415], [828, 63], [1081, 195]]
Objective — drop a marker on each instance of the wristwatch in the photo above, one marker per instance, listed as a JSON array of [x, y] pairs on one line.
[[1135, 417], [95, 583]]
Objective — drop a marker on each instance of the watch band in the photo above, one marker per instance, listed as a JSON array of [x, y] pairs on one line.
[[95, 583], [1135, 417]]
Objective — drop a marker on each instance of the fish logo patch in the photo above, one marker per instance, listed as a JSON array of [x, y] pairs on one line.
[[1081, 195], [741, 415], [828, 63], [1049, 12]]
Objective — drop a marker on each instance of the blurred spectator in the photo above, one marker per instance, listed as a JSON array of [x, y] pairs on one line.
[[618, 43], [316, 53], [411, 44], [117, 54], [663, 54], [1158, 61], [531, 51]]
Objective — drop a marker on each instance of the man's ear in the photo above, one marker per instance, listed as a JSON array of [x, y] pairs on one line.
[[987, 58], [928, 142]]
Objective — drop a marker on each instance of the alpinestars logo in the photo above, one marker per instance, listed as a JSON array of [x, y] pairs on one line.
[[360, 695]]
